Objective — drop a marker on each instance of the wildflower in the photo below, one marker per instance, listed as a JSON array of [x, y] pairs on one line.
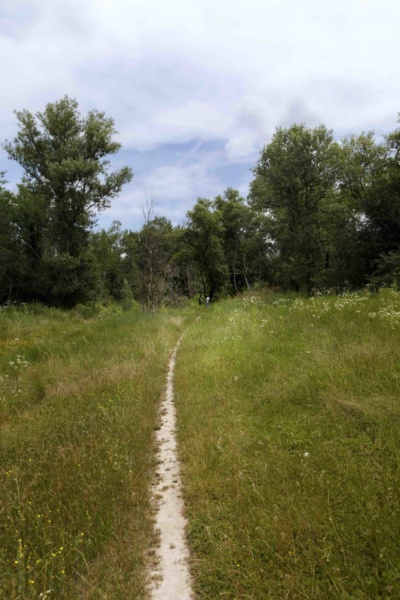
[[306, 454]]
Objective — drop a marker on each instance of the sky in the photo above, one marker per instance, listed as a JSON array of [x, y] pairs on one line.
[[198, 87]]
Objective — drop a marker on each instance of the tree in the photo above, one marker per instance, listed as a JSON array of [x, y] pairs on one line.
[[360, 160], [107, 250], [382, 206], [204, 238], [31, 225], [129, 258], [245, 237], [294, 179], [156, 268], [64, 156], [11, 261], [235, 217], [369, 178], [383, 214], [186, 280]]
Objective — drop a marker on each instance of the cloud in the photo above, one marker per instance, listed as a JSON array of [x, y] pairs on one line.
[[172, 188], [225, 73]]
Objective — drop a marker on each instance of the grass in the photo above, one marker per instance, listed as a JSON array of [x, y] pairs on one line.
[[78, 408], [289, 415]]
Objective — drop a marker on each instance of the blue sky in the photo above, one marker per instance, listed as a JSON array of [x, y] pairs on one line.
[[197, 87]]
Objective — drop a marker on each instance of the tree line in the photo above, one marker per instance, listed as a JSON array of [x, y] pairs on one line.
[[321, 214]]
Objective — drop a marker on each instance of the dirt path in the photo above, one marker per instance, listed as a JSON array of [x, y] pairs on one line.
[[170, 578]]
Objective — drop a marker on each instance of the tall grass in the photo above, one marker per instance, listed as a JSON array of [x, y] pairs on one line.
[[289, 415], [78, 406]]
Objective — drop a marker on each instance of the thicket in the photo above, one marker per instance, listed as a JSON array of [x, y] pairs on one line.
[[321, 213]]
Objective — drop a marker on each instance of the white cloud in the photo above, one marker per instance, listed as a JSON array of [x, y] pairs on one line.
[[177, 72], [171, 186], [178, 124]]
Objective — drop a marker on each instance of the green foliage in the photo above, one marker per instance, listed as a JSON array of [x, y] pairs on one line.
[[382, 206], [10, 262], [294, 180], [67, 180], [321, 215], [363, 184], [64, 158], [155, 248], [247, 248], [387, 270], [204, 239], [334, 207], [106, 247]]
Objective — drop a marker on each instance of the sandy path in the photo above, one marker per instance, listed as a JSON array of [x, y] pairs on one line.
[[170, 578]]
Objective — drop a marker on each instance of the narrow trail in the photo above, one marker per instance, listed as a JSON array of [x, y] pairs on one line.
[[170, 577]]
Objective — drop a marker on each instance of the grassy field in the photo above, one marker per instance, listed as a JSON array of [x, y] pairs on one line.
[[289, 425], [289, 416], [78, 401]]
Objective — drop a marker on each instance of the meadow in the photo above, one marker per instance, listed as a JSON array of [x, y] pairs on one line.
[[289, 429], [78, 406], [288, 425]]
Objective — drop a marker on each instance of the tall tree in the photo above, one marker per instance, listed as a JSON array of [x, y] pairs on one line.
[[156, 268], [107, 249], [187, 281], [360, 163], [294, 178], [204, 237], [65, 159], [382, 209], [245, 237], [12, 265], [235, 219], [369, 178], [129, 255]]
